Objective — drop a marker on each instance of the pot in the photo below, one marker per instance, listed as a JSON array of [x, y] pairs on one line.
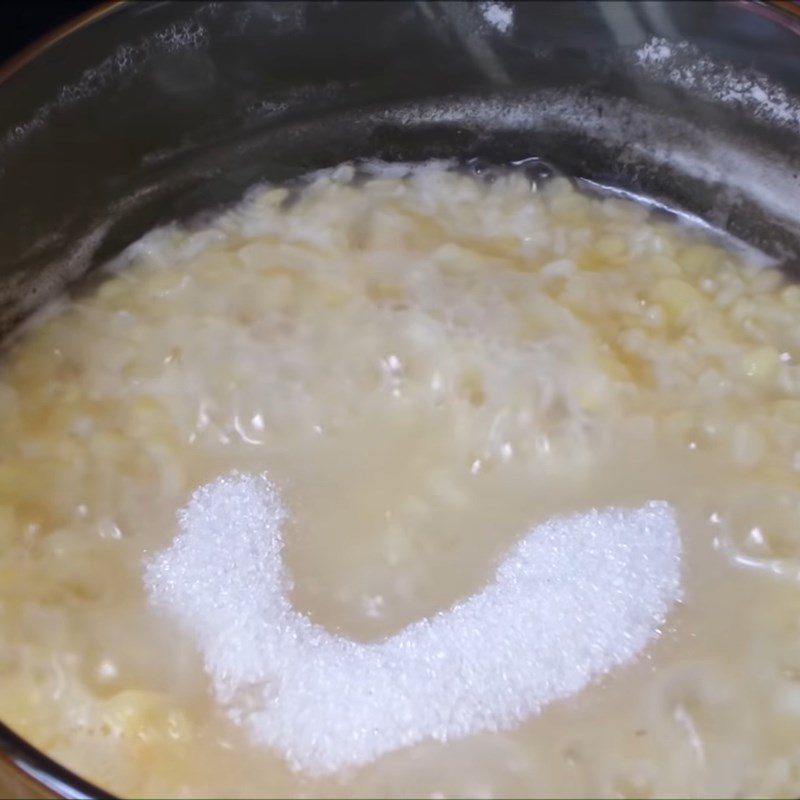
[[138, 114]]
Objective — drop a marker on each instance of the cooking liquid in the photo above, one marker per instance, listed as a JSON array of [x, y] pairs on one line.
[[427, 364]]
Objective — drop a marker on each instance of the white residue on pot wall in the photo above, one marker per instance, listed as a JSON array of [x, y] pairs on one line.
[[125, 60], [498, 15], [684, 66]]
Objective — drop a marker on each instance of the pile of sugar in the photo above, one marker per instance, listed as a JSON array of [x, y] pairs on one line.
[[574, 598]]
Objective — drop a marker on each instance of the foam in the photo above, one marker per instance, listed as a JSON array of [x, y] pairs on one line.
[[576, 597]]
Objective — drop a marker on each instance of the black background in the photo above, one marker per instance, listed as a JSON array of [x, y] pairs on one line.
[[24, 21]]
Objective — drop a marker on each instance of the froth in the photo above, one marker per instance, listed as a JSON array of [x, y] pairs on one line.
[[574, 598]]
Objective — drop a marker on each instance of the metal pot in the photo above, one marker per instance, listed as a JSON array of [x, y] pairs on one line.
[[138, 114]]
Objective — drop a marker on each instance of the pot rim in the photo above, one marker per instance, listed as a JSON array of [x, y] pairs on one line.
[[38, 46]]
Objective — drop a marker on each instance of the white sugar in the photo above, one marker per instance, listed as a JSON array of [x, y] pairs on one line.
[[574, 598]]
